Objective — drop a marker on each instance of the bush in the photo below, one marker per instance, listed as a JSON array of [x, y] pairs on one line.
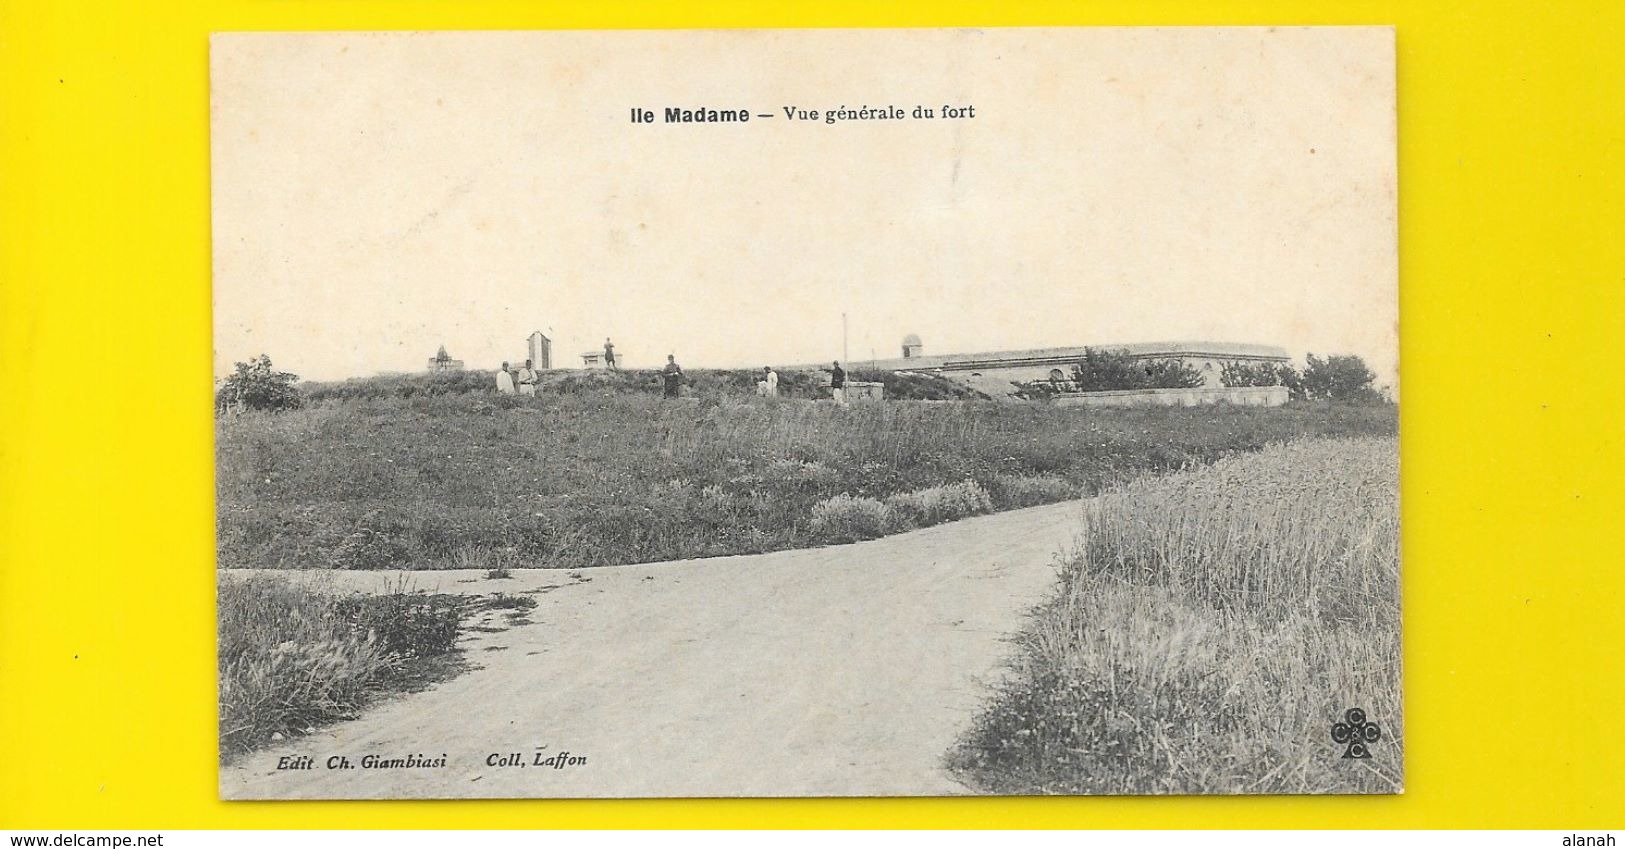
[[255, 385], [1170, 374], [1336, 378], [1339, 378], [848, 518], [1262, 374], [1103, 370], [938, 504]]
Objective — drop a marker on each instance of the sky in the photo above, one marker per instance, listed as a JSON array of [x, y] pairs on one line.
[[377, 196]]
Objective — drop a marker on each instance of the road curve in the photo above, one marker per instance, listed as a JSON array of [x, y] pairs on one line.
[[839, 671]]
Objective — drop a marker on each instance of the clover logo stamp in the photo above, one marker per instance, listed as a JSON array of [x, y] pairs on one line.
[[1355, 734]]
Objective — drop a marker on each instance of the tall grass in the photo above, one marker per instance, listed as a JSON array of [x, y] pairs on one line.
[[592, 478], [1210, 629], [294, 657]]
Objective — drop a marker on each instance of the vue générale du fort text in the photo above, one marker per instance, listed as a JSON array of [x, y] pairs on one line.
[[842, 113]]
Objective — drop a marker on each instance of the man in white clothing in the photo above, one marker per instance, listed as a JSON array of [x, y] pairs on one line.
[[527, 380], [505, 380]]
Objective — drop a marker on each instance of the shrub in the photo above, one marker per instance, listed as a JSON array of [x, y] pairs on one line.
[[938, 504], [1240, 373], [1103, 370], [848, 518], [1263, 374], [255, 385], [1170, 374], [1338, 378]]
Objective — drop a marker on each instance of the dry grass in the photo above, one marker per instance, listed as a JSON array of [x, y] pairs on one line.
[[1210, 629]]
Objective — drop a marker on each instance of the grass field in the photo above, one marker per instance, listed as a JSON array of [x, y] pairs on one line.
[[599, 470], [1208, 632]]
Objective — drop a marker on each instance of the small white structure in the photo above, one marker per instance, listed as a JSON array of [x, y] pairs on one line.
[[540, 349], [595, 359]]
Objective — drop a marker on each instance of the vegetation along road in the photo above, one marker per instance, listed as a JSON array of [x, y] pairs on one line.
[[842, 670]]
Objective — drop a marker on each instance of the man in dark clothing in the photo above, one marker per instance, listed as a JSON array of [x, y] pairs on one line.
[[609, 354], [672, 375], [837, 383]]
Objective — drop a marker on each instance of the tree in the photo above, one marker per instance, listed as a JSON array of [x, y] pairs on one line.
[[1339, 377], [1263, 374], [255, 385], [1171, 374], [1103, 370]]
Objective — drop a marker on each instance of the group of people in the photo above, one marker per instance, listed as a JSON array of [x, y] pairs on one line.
[[524, 380], [768, 386]]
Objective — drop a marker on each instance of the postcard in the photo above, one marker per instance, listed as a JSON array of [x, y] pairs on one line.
[[785, 413]]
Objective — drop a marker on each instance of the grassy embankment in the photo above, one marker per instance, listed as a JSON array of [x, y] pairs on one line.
[[435, 473], [1210, 629], [293, 657]]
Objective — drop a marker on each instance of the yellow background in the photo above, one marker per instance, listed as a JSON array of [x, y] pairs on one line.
[[1512, 150]]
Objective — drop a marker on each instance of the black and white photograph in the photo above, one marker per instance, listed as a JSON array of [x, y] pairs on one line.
[[806, 413]]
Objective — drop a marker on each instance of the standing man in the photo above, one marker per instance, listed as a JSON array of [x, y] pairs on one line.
[[837, 383], [672, 375], [609, 355], [527, 380], [771, 378], [505, 380]]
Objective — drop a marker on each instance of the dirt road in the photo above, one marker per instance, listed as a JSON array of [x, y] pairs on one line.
[[848, 670]]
